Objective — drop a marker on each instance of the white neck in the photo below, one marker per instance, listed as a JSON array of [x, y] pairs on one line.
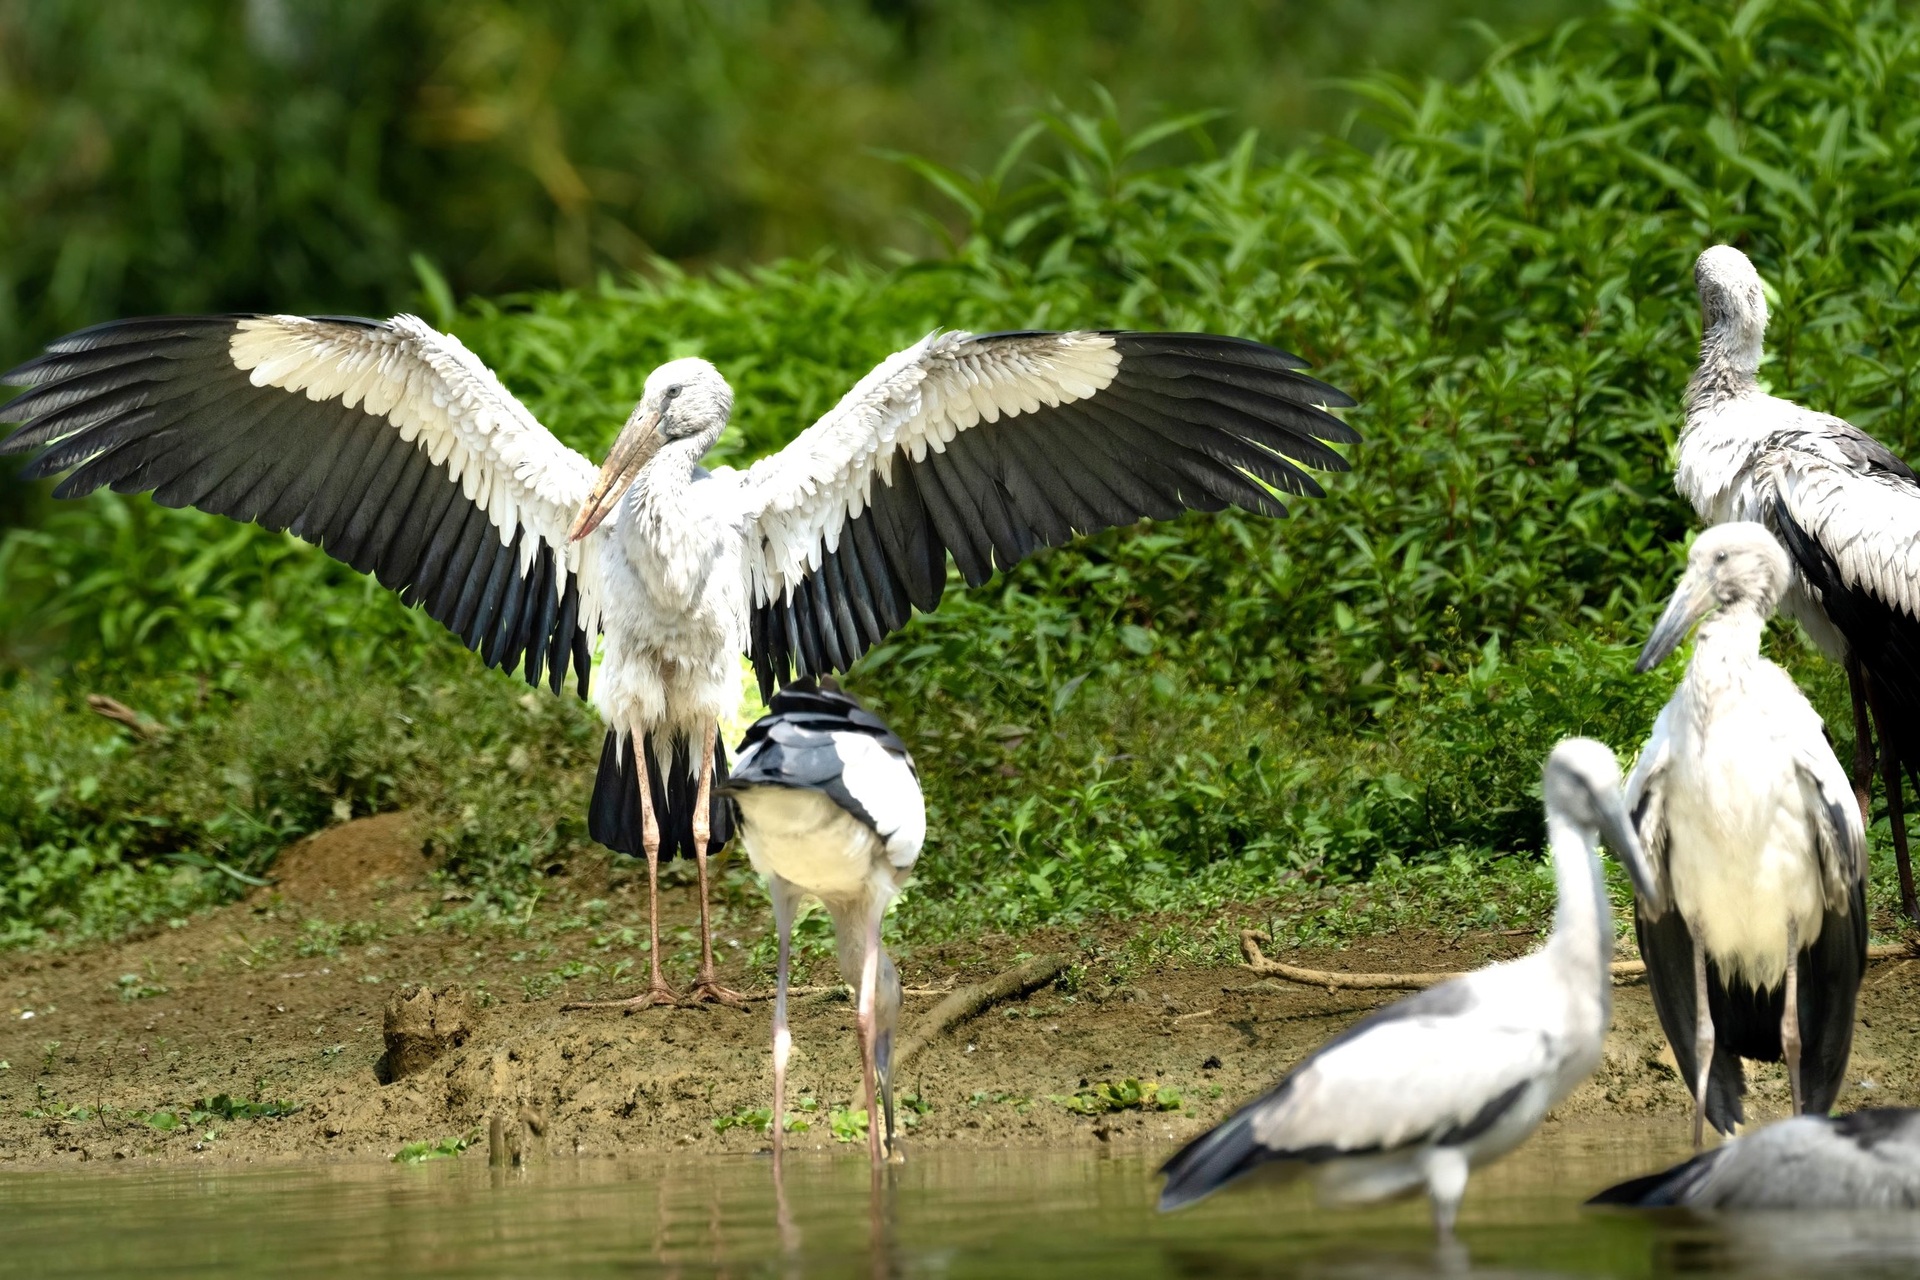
[[1582, 936], [1729, 365], [1730, 634]]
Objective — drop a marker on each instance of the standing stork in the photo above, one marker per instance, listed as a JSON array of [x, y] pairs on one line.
[[1746, 813], [1421, 1092], [830, 807], [1847, 510], [392, 447]]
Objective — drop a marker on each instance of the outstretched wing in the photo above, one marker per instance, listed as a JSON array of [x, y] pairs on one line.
[[387, 444], [989, 447]]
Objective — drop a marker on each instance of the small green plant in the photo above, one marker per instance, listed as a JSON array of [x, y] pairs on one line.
[[760, 1119], [1125, 1095], [224, 1107], [849, 1124], [445, 1149], [982, 1097], [131, 988]]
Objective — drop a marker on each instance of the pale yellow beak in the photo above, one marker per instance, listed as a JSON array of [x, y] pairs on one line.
[[629, 456]]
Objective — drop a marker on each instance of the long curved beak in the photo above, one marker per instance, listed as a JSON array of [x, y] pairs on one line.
[[1692, 601], [1616, 829], [639, 440]]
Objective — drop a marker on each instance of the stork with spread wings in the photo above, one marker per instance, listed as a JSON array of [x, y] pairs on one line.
[[393, 448]]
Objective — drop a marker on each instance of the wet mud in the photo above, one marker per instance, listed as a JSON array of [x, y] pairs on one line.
[[296, 996]]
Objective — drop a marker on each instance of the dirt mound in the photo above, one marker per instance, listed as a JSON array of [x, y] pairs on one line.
[[355, 860]]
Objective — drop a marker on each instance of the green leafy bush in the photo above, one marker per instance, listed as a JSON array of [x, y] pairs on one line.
[[1156, 718]]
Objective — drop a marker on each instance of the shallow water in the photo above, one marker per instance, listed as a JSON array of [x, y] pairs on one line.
[[946, 1214]]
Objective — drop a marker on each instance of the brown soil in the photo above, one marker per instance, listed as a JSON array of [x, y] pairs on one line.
[[271, 999]]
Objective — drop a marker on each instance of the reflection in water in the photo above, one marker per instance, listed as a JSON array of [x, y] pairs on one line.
[[946, 1214]]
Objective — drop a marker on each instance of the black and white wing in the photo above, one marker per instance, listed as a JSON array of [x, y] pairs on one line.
[[1847, 509], [1868, 1159], [820, 739], [388, 444], [1646, 797], [1423, 1070], [987, 447], [1833, 815]]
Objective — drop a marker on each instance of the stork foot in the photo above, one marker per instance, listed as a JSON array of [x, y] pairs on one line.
[[709, 991], [658, 995]]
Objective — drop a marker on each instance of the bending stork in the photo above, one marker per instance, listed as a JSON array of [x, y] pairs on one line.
[[1421, 1092], [830, 807], [1844, 506], [1745, 812], [1868, 1159], [393, 448]]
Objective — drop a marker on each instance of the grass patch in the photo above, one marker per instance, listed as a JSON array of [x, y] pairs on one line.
[[444, 1149], [1339, 718]]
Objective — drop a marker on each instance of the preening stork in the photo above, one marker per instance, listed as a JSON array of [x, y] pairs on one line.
[[830, 807], [393, 448], [1759, 946], [1421, 1092], [1868, 1159], [1844, 506]]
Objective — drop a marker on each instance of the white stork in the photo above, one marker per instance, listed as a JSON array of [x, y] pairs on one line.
[[1746, 814], [1421, 1092], [830, 807], [393, 448], [1867, 1159], [1846, 508]]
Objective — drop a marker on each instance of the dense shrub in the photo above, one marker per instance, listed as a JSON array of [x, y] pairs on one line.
[[1172, 715]]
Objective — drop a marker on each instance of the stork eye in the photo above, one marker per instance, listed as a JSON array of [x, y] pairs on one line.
[[672, 391], [1719, 557]]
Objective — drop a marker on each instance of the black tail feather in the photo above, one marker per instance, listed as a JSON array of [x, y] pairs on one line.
[[1224, 1153], [1746, 1022], [614, 819], [1662, 1190]]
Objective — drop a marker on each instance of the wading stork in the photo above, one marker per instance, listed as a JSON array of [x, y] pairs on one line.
[[1844, 506], [829, 807], [393, 448], [1868, 1159], [1423, 1091], [1759, 946]]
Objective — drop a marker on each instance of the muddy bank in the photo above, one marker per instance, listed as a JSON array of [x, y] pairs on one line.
[[283, 999]]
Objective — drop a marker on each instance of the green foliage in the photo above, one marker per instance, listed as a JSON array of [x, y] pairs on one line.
[[760, 1119], [1155, 719], [444, 1149], [203, 155], [1109, 1096], [225, 1107]]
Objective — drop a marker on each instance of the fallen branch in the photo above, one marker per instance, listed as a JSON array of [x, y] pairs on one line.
[[968, 1001], [121, 714], [841, 988], [1334, 980]]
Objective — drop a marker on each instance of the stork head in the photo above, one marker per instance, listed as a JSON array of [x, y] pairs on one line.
[[1733, 306], [1739, 565], [682, 411], [1581, 785]]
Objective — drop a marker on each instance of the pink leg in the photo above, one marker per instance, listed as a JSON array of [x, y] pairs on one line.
[[707, 986], [657, 992]]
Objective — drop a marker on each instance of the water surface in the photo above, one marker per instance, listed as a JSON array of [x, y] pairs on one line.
[[1008, 1213]]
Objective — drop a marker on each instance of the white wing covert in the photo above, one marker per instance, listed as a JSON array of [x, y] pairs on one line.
[[989, 447], [387, 444]]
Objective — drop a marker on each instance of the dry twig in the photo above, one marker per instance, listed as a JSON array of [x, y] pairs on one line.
[[121, 714], [968, 1001], [1335, 980]]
